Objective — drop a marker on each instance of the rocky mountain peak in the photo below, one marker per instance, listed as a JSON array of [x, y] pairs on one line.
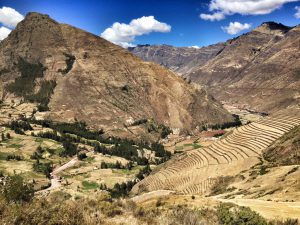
[[272, 28]]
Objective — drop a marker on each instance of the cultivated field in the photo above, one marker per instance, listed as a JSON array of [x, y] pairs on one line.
[[197, 170]]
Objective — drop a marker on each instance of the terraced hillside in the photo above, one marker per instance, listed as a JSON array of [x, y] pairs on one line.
[[195, 171]]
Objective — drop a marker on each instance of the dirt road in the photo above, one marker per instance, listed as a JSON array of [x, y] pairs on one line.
[[55, 182]]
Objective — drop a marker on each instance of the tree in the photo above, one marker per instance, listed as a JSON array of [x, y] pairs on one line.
[[118, 165], [2, 137], [81, 156], [69, 149], [8, 136], [15, 189]]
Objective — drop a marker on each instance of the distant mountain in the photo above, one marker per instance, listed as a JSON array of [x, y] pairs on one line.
[[258, 70], [73, 74], [180, 60]]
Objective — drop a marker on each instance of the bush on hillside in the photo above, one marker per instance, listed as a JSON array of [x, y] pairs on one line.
[[15, 189]]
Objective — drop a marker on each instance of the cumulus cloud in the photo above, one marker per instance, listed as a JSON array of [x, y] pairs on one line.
[[124, 34], [4, 32], [221, 8], [212, 17], [236, 27], [10, 17], [297, 14]]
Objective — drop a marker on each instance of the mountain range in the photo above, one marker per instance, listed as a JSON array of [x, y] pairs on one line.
[[258, 70]]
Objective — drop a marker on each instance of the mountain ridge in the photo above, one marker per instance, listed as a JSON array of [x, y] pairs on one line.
[[245, 60]]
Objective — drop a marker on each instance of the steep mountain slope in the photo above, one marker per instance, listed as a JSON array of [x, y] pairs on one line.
[[180, 60], [259, 69], [285, 151], [82, 76]]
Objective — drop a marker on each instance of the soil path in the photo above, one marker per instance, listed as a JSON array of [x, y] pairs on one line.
[[55, 181]]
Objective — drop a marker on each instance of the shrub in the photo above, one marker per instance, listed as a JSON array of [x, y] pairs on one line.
[[263, 170], [15, 189], [81, 156], [70, 149], [45, 168], [221, 185], [14, 157], [293, 170], [228, 214], [69, 61]]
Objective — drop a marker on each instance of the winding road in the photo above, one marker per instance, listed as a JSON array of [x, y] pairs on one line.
[[55, 181]]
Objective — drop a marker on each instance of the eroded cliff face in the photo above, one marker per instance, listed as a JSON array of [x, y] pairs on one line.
[[97, 81]]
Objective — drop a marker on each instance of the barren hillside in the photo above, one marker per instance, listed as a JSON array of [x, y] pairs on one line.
[[257, 70]]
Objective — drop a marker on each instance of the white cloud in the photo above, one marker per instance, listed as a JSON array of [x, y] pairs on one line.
[[4, 32], [243, 7], [236, 27], [195, 46], [297, 14], [124, 34], [212, 17], [10, 17]]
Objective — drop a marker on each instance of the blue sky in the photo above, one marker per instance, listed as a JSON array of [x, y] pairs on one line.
[[175, 22]]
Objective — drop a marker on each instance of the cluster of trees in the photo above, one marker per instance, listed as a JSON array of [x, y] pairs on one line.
[[124, 148], [236, 123], [70, 149], [77, 128], [45, 168], [4, 137], [130, 152], [38, 153], [20, 126], [117, 165], [15, 190], [160, 151], [128, 147], [161, 128], [143, 172], [14, 157], [123, 189]]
